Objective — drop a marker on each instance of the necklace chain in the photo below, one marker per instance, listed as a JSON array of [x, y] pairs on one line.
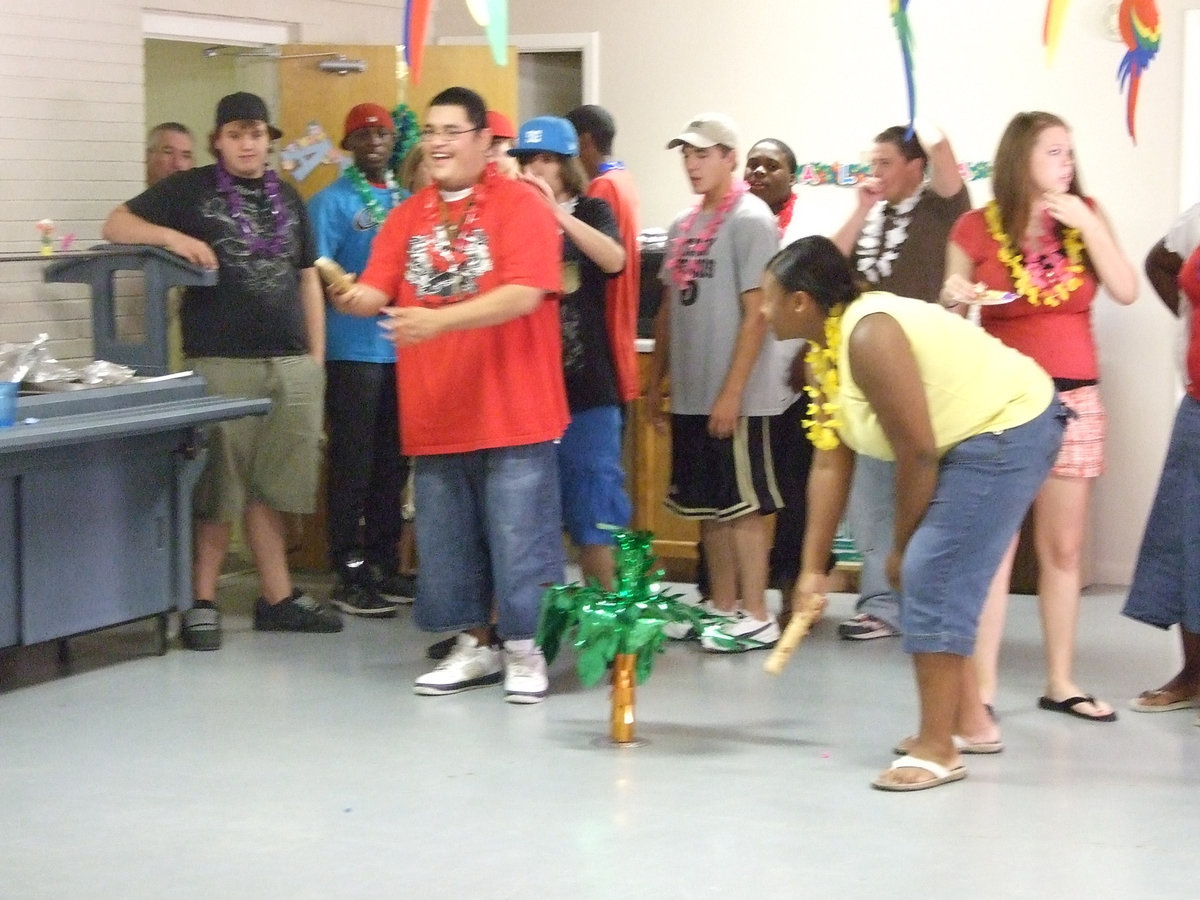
[[448, 243], [454, 229]]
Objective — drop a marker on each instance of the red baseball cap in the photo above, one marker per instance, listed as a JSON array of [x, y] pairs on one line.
[[500, 125], [367, 115]]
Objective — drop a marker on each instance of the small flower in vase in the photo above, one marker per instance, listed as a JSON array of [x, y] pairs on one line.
[[46, 227]]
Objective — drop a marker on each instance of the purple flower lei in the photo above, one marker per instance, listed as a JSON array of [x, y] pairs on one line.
[[255, 243]]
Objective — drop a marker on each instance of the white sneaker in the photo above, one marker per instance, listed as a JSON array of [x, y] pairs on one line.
[[468, 666], [751, 634], [682, 631], [525, 678]]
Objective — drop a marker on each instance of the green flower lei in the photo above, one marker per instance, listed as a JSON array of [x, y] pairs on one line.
[[359, 180]]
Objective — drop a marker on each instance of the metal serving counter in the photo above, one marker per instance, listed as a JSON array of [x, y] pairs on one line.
[[98, 267], [95, 505]]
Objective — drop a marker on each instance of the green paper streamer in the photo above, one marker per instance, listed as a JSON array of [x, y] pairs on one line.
[[408, 134]]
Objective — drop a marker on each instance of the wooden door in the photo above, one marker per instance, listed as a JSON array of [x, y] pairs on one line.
[[312, 110], [466, 66], [649, 473], [313, 104]]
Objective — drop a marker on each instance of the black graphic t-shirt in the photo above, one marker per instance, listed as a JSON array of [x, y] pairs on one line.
[[254, 310], [587, 358]]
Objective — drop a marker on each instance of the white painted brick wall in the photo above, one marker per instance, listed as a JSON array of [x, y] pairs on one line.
[[71, 147]]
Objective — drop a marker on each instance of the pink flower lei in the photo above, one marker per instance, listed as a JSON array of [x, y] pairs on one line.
[[447, 254], [256, 243], [684, 272]]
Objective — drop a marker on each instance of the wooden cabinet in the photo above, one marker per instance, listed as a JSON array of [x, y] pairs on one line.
[[648, 471]]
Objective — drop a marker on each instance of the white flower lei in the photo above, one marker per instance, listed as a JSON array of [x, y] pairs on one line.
[[875, 256]]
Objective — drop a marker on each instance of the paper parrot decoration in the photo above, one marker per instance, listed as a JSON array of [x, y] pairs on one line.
[[1056, 11], [491, 15], [1141, 31], [899, 12]]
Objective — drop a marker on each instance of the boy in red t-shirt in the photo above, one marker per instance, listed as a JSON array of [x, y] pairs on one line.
[[467, 270]]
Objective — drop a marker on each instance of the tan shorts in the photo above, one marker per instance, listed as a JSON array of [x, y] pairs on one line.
[[273, 459], [1082, 453]]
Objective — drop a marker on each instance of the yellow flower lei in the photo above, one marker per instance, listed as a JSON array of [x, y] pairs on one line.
[[822, 423], [1072, 244]]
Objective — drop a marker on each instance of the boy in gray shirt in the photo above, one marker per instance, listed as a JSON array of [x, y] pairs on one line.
[[726, 380]]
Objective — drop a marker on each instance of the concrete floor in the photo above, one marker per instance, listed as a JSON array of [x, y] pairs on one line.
[[303, 766]]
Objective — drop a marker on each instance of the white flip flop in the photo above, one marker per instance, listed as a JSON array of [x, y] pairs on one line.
[[941, 775]]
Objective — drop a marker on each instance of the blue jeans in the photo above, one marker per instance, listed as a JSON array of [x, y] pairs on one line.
[[488, 527], [985, 484], [1165, 588], [872, 516], [593, 482]]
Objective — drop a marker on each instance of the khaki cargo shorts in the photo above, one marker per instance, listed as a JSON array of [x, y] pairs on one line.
[[273, 459]]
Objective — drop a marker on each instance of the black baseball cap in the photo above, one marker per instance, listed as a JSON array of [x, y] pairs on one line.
[[245, 107]]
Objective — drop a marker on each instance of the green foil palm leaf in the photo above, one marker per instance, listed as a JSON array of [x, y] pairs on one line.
[[629, 619], [641, 633], [592, 665], [646, 655]]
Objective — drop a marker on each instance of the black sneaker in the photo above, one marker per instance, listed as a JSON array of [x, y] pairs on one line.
[[361, 600], [395, 587], [299, 612]]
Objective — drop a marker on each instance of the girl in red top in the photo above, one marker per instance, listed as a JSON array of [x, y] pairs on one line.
[[1046, 243]]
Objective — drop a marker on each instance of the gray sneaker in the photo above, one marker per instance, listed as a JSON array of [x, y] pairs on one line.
[[864, 627], [298, 612]]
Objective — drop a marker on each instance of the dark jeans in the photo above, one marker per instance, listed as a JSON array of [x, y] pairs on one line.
[[366, 471]]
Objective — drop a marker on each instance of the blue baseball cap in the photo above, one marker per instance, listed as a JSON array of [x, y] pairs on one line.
[[546, 134]]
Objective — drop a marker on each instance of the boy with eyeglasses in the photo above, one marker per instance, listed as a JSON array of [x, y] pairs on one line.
[[471, 264]]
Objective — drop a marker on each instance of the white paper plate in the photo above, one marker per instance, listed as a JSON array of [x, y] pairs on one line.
[[995, 298]]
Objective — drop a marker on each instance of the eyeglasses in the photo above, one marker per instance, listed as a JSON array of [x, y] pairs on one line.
[[428, 133]]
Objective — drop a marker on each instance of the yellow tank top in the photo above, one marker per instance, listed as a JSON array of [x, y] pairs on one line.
[[973, 383]]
